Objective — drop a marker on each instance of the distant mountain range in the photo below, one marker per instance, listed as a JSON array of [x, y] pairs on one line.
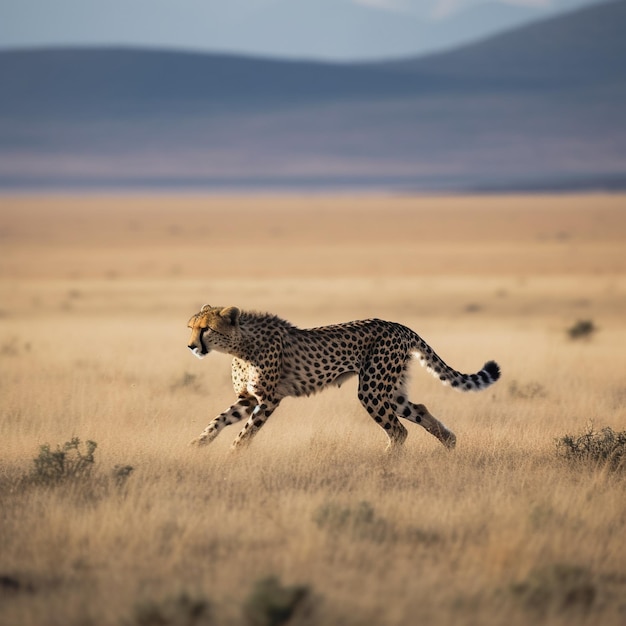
[[539, 107]]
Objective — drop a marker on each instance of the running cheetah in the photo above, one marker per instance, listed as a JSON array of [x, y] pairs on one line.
[[273, 359]]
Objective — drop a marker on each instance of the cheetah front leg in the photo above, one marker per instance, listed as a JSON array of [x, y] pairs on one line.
[[242, 408], [259, 416]]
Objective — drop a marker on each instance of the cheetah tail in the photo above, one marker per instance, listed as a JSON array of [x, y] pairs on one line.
[[488, 375]]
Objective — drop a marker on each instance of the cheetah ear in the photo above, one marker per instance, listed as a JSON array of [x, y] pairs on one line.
[[205, 309], [232, 314]]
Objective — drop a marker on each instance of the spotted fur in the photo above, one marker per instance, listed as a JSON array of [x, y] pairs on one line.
[[274, 359]]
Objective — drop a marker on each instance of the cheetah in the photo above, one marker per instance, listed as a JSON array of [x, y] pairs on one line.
[[273, 359]]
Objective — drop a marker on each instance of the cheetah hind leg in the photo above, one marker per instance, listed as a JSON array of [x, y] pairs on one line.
[[381, 411], [419, 414]]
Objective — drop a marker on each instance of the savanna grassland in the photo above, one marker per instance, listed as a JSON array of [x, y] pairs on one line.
[[95, 294]]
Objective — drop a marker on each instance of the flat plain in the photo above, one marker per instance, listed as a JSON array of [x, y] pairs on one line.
[[95, 294]]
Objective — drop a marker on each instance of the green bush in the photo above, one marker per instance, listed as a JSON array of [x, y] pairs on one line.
[[67, 462], [557, 588], [358, 522], [527, 391], [582, 329], [181, 610], [272, 604], [187, 381], [121, 474], [605, 448]]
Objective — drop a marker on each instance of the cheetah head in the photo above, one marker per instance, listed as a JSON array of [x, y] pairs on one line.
[[213, 328]]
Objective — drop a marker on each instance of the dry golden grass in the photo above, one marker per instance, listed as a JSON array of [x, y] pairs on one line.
[[95, 295]]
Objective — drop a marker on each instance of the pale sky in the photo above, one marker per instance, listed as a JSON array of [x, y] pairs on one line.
[[436, 8], [284, 28]]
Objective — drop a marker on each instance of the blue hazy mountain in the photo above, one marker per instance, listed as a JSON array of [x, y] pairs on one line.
[[542, 105]]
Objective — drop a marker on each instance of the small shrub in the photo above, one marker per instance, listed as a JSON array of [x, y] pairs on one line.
[[121, 473], [359, 522], [13, 347], [602, 448], [182, 610], [66, 462], [473, 307], [582, 329], [527, 391], [186, 381], [557, 588], [12, 585], [272, 604]]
